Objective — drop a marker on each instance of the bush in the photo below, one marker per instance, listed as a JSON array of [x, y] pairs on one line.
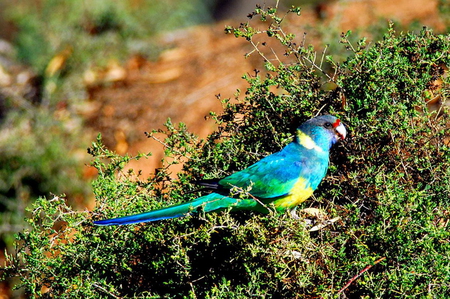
[[39, 154], [387, 191]]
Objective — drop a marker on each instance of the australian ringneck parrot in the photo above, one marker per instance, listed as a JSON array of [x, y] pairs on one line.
[[282, 180]]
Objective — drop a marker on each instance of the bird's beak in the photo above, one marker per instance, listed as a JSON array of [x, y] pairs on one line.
[[341, 132]]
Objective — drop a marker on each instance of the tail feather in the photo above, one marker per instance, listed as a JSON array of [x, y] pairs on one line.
[[209, 203], [213, 185]]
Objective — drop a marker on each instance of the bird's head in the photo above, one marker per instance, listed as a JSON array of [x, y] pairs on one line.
[[322, 131]]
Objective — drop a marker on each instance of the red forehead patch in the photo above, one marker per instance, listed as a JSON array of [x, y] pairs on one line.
[[336, 123]]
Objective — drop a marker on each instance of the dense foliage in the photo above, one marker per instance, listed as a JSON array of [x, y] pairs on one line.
[[387, 191]]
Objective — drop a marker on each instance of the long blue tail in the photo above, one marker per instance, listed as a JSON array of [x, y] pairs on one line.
[[209, 203]]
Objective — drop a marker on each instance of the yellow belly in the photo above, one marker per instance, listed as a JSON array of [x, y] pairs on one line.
[[299, 193]]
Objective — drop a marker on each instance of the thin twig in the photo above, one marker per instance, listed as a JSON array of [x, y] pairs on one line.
[[255, 46], [360, 273], [106, 291], [150, 135], [323, 56]]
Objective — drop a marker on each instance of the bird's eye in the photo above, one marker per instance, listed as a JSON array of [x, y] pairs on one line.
[[328, 125]]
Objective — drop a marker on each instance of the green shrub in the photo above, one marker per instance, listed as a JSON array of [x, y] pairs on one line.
[[41, 142], [389, 184], [39, 155]]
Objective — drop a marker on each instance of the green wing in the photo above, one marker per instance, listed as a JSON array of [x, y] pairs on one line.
[[271, 177]]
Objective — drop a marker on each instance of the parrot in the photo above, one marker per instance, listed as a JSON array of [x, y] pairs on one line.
[[282, 180]]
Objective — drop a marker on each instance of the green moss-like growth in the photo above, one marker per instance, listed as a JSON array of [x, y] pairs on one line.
[[387, 192]]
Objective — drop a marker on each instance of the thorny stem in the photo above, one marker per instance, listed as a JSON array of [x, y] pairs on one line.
[[360, 273], [149, 135]]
